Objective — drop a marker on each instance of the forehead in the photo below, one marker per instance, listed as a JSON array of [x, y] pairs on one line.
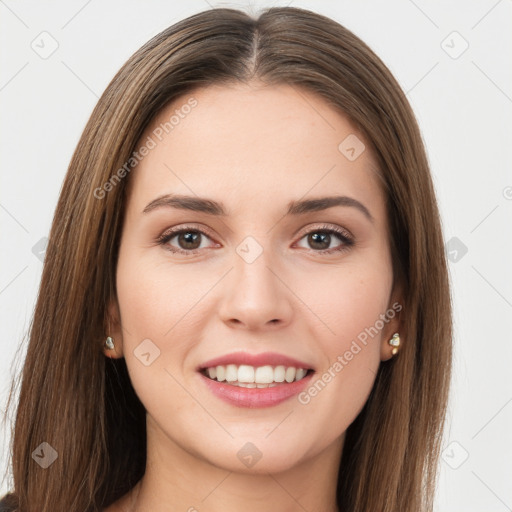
[[251, 145]]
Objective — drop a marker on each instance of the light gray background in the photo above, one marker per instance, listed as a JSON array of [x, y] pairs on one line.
[[463, 104]]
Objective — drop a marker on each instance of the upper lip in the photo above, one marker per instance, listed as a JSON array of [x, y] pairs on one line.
[[256, 360]]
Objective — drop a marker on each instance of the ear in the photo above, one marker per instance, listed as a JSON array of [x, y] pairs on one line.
[[393, 323], [114, 330]]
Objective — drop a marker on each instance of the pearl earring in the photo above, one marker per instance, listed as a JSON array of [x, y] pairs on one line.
[[109, 343], [395, 343]]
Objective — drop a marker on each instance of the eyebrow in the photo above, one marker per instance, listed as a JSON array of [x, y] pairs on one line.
[[211, 207]]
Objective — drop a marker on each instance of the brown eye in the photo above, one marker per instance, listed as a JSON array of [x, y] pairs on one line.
[[187, 240], [319, 240]]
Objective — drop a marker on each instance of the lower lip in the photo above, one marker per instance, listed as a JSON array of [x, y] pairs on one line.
[[256, 397]]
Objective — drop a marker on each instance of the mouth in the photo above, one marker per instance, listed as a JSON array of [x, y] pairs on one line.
[[260, 377], [267, 379]]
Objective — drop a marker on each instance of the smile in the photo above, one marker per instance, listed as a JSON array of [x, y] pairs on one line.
[[255, 386], [260, 377]]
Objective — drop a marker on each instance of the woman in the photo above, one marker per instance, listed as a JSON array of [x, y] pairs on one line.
[[244, 300]]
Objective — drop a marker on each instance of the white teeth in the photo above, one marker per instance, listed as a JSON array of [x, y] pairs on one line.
[[250, 376], [264, 375], [289, 376], [300, 373], [246, 384], [231, 373], [245, 373], [279, 373], [221, 373], [252, 385]]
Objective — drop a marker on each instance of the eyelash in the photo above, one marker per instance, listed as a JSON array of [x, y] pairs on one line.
[[342, 234]]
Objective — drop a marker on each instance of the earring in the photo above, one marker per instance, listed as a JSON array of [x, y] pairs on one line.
[[109, 343], [395, 343]]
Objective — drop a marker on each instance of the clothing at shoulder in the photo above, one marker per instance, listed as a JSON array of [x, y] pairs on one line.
[[8, 503]]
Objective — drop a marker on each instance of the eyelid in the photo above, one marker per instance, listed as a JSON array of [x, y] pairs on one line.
[[325, 227], [302, 232], [184, 227]]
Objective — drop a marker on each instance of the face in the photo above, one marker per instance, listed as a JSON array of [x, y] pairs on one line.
[[259, 276]]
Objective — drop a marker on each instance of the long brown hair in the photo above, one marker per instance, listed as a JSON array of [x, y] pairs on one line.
[[83, 404]]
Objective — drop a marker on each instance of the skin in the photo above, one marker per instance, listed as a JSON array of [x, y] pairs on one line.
[[254, 148]]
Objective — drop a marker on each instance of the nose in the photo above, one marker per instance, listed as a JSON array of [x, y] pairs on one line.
[[256, 296]]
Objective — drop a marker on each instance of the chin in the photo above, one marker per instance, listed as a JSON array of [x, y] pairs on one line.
[[257, 456]]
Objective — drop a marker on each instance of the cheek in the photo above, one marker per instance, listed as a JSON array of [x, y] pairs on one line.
[[351, 304], [155, 295], [349, 337], [348, 301], [157, 305]]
